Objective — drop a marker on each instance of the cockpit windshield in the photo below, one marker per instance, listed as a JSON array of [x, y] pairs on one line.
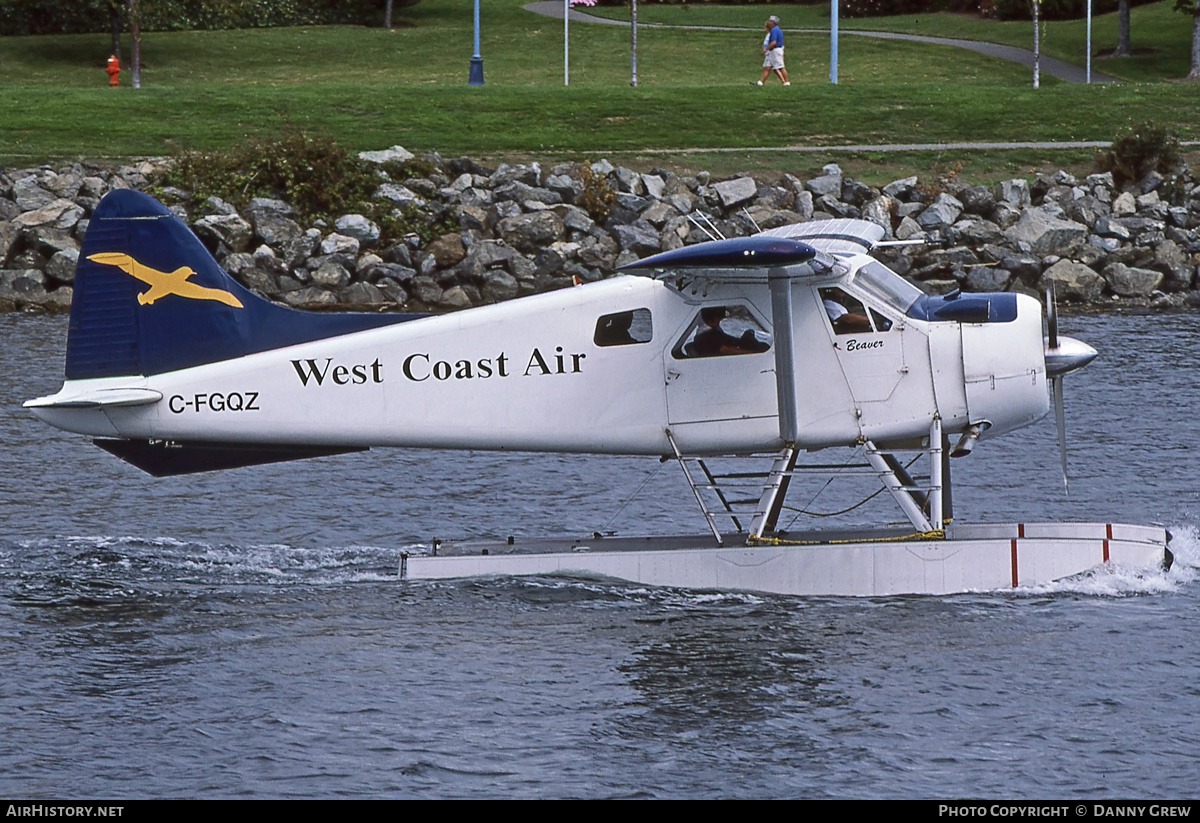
[[886, 286]]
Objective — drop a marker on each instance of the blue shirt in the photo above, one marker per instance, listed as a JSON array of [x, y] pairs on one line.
[[774, 39]]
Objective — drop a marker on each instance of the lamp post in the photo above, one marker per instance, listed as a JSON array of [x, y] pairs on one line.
[[833, 41], [1089, 41], [633, 45], [475, 78]]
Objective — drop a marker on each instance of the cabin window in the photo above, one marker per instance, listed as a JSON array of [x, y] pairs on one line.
[[624, 328], [718, 331]]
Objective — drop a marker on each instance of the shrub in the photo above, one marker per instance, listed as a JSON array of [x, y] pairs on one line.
[[1053, 9], [710, 2], [1138, 150], [313, 174], [81, 16], [597, 196]]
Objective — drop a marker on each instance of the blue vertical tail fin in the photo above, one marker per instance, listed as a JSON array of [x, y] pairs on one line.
[[149, 298]]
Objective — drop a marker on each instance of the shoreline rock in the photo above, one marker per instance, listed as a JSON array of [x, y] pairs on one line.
[[483, 235]]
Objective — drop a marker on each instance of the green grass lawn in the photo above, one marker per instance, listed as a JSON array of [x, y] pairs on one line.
[[1161, 37], [369, 88]]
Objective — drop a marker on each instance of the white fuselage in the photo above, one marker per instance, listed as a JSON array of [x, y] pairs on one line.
[[529, 375]]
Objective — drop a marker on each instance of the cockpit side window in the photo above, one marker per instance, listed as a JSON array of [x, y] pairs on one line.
[[847, 314], [718, 331], [624, 328]]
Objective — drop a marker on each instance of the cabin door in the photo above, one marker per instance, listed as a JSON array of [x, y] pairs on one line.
[[720, 374]]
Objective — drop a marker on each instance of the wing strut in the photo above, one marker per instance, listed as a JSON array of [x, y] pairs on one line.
[[782, 320]]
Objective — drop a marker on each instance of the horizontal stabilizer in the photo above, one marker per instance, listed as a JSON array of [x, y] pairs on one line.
[[95, 399], [166, 458]]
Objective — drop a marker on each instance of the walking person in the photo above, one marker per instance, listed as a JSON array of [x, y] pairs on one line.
[[772, 49]]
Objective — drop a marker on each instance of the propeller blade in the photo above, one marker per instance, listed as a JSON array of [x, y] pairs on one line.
[[1061, 422], [1051, 317]]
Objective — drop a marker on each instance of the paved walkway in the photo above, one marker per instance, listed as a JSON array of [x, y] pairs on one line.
[[1049, 65]]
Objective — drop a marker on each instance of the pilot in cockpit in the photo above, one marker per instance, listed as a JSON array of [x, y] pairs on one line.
[[846, 314]]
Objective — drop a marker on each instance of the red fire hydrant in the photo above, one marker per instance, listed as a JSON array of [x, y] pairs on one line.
[[114, 70]]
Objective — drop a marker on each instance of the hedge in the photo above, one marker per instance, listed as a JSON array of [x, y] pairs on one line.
[[80, 16]]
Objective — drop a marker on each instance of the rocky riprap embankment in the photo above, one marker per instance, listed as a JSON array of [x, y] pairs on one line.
[[520, 229]]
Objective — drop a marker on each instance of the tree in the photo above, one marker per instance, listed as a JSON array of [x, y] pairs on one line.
[[1037, 43], [1124, 49], [114, 22], [1192, 7]]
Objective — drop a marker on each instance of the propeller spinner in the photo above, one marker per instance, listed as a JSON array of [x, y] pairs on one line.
[[1063, 355]]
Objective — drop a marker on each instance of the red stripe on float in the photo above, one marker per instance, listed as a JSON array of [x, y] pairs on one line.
[[1020, 530], [1107, 537], [1014, 562]]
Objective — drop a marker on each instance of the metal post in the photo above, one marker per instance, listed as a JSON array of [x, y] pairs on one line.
[[1037, 46], [566, 42], [1088, 72], [633, 45], [475, 77], [935, 473], [833, 41]]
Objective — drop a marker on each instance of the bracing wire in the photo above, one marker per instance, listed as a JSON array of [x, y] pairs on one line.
[[631, 497], [863, 502]]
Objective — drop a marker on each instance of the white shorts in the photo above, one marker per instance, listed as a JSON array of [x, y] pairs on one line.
[[773, 59]]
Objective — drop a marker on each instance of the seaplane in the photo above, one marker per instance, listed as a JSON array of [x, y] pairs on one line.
[[785, 345]]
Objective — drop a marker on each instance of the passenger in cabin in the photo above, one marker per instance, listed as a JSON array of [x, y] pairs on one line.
[[846, 314], [713, 341]]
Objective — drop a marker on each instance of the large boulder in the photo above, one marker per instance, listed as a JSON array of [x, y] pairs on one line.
[[1073, 282], [331, 274], [228, 230], [641, 239], [337, 243], [1015, 192], [398, 195], [530, 232], [735, 192], [60, 214], [448, 250], [529, 174], [273, 227], [1044, 233], [828, 182], [941, 213], [1129, 281], [29, 195], [1174, 264], [522, 193], [61, 267], [499, 285], [396, 154], [358, 227]]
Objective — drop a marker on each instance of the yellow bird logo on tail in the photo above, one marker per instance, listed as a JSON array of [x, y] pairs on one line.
[[164, 283]]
